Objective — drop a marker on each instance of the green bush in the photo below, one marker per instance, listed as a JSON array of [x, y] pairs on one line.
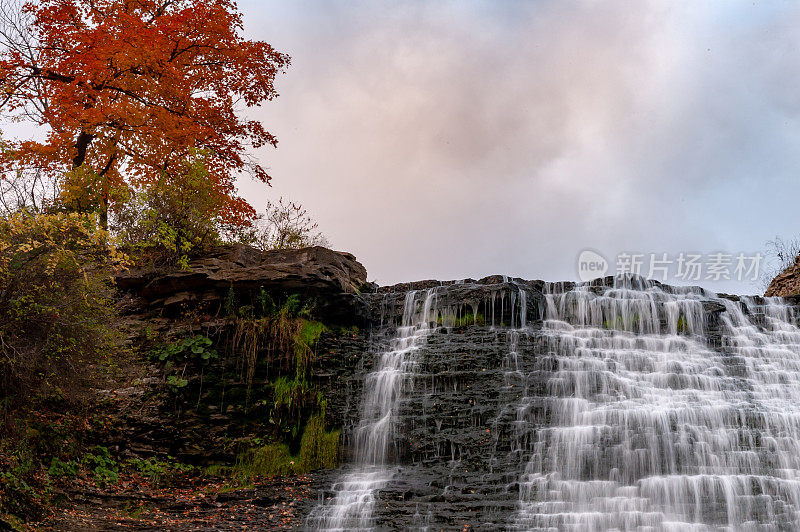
[[195, 349], [156, 470], [19, 494], [176, 356], [172, 219], [59, 469], [284, 225], [56, 308]]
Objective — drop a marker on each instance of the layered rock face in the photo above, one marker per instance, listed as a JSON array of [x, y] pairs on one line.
[[231, 396], [786, 283], [620, 404], [333, 279]]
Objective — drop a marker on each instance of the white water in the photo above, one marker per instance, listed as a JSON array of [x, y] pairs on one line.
[[648, 427], [356, 493]]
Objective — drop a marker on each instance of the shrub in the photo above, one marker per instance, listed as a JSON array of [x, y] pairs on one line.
[[195, 349], [173, 218], [102, 465], [156, 470], [56, 311], [44, 449], [56, 328], [59, 468], [19, 494], [780, 255]]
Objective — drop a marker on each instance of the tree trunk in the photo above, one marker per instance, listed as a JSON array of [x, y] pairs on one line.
[[106, 192], [82, 144], [104, 205]]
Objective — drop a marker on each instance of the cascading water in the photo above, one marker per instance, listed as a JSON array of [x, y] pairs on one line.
[[355, 494], [614, 405], [650, 429]]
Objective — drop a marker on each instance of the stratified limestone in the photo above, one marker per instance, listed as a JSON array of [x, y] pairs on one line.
[[331, 278]]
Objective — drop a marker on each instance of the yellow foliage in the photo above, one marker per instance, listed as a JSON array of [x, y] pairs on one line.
[[56, 281], [55, 238]]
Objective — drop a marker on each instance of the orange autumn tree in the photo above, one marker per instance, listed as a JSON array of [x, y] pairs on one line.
[[129, 90]]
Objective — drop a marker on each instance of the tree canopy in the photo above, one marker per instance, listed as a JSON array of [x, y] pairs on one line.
[[129, 90]]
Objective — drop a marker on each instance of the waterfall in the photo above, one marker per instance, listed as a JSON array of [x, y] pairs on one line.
[[355, 493], [619, 404], [651, 429]]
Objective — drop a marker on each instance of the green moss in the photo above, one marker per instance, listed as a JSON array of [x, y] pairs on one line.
[[136, 509], [464, 321], [287, 392], [218, 470], [283, 391], [265, 303], [269, 460], [310, 332], [319, 448], [304, 340]]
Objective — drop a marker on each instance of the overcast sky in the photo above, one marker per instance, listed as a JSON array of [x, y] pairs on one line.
[[437, 139], [460, 139]]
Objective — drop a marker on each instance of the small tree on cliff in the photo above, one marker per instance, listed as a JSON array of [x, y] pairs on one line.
[[128, 90], [285, 225]]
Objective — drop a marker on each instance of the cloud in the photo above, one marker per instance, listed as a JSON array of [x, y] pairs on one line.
[[454, 139]]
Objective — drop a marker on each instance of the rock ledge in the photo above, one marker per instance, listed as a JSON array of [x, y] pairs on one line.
[[330, 277]]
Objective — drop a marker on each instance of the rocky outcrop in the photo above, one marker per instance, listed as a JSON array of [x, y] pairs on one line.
[[786, 283], [210, 298], [331, 278]]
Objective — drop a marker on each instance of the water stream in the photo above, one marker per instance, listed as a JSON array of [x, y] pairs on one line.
[[652, 429], [355, 494], [620, 406]]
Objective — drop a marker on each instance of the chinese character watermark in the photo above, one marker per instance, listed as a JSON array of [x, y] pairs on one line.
[[682, 266]]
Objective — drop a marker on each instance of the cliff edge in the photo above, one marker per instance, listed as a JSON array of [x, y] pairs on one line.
[[786, 283]]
